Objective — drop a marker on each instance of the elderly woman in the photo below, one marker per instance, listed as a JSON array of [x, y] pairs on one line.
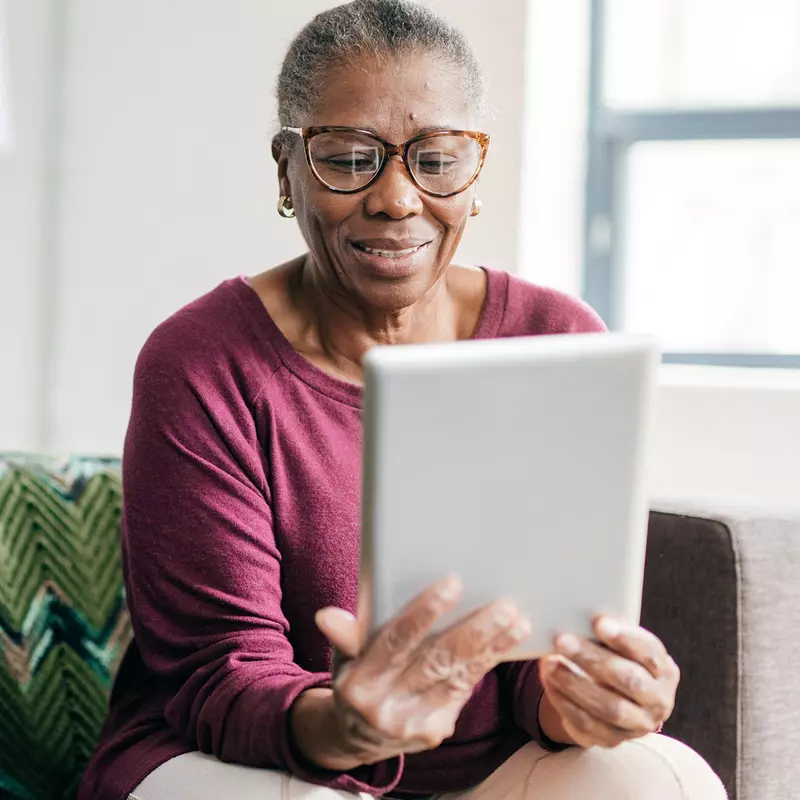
[[241, 490]]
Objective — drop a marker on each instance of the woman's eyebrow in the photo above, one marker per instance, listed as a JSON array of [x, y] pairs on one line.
[[432, 128], [417, 131], [420, 131]]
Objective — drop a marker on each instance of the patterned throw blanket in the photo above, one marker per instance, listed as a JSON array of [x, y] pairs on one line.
[[63, 621]]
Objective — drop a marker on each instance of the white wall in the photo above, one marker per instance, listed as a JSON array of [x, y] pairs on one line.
[[169, 186], [556, 103], [29, 35], [727, 434]]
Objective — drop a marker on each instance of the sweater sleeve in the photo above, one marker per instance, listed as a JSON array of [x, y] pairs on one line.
[[525, 690], [535, 310], [203, 569]]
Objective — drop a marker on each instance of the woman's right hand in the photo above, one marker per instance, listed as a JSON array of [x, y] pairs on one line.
[[403, 691]]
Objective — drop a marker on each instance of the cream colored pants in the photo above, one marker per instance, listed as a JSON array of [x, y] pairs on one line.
[[652, 768]]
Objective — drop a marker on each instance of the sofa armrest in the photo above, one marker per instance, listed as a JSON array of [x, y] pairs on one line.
[[722, 589]]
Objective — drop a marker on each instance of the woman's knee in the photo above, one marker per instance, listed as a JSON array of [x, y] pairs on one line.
[[195, 776], [683, 772], [652, 768]]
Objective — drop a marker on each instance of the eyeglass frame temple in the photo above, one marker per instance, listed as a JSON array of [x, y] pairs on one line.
[[483, 139]]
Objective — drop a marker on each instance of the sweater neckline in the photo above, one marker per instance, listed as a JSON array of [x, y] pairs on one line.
[[488, 327]]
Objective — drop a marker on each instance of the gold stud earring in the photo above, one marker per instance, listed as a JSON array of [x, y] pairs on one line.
[[285, 207], [476, 207]]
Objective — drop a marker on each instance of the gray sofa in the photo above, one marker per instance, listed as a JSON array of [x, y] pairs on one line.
[[722, 589]]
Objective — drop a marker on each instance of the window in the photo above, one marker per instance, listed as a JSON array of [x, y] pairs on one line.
[[693, 196]]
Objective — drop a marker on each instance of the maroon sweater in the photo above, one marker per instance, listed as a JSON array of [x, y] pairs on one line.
[[241, 479]]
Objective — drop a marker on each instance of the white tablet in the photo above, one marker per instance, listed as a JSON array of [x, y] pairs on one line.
[[516, 464]]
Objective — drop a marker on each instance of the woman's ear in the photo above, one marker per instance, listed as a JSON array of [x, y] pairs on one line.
[[277, 148], [281, 157]]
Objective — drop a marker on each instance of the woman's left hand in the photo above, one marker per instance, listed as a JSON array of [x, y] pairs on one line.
[[605, 694]]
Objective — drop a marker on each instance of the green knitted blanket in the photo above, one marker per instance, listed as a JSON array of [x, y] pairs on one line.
[[63, 621]]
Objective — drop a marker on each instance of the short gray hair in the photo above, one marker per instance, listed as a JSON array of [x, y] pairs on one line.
[[377, 28]]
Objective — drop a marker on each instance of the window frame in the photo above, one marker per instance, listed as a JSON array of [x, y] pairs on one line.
[[611, 133]]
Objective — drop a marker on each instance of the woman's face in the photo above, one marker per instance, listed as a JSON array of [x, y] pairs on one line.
[[396, 99]]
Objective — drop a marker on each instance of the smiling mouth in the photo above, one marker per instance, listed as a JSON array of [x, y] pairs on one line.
[[392, 254]]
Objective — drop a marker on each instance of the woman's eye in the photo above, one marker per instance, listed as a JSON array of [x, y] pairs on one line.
[[351, 163], [436, 166]]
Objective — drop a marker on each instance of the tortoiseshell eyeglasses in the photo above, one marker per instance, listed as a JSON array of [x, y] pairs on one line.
[[347, 160]]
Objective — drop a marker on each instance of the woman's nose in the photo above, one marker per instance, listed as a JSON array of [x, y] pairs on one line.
[[394, 193]]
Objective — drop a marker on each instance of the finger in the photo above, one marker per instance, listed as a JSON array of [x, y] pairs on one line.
[[340, 628], [465, 672], [508, 640], [455, 660], [600, 703], [366, 685], [637, 644], [624, 676], [472, 636], [582, 726], [400, 637]]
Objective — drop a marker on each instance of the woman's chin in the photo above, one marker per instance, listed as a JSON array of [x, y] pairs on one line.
[[391, 284], [397, 293]]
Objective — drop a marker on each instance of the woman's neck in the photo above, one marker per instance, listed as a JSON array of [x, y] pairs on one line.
[[337, 332], [325, 327]]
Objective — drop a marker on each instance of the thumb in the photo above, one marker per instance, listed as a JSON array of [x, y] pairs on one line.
[[340, 628]]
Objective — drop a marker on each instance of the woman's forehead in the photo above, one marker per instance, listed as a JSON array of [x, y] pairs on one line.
[[397, 97]]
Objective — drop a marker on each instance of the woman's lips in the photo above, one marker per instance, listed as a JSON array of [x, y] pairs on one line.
[[388, 252], [394, 261]]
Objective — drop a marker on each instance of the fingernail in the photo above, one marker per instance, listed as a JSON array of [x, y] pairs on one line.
[[568, 644], [504, 614], [573, 668], [521, 630], [322, 614], [450, 589], [343, 614], [549, 666], [608, 628]]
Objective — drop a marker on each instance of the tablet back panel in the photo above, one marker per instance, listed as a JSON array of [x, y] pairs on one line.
[[517, 464]]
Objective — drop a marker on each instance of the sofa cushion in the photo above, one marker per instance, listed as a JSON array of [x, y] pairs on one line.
[[63, 622], [691, 602], [722, 588]]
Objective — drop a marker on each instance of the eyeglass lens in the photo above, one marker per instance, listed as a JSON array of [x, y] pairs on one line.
[[347, 160]]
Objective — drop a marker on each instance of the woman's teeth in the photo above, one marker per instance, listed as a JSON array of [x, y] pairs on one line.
[[389, 253]]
